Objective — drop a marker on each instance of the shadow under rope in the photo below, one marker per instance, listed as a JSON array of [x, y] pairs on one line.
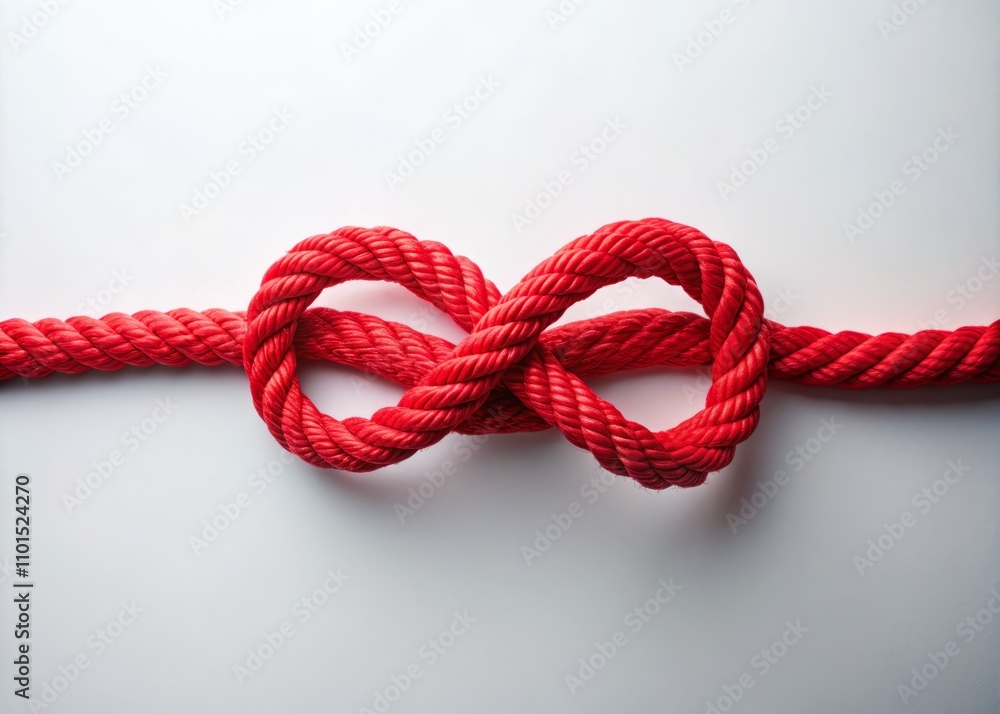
[[740, 479]]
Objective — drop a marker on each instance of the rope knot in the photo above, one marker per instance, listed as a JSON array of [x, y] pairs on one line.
[[510, 373], [515, 371]]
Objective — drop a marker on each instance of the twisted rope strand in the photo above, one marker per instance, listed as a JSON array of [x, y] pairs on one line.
[[514, 372], [605, 344]]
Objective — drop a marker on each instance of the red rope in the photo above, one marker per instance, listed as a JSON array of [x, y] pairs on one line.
[[510, 374]]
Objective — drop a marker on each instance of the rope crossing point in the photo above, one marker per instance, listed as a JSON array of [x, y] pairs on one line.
[[511, 374]]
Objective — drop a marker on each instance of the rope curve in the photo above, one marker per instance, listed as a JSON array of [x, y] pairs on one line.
[[513, 372]]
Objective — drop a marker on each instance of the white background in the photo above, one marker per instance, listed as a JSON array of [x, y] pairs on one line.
[[63, 238]]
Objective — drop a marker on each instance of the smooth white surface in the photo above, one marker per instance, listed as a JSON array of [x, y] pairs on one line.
[[63, 240]]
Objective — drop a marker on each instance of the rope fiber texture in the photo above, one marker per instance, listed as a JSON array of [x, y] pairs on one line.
[[511, 374]]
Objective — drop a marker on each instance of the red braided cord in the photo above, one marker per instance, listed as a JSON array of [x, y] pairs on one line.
[[511, 374]]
